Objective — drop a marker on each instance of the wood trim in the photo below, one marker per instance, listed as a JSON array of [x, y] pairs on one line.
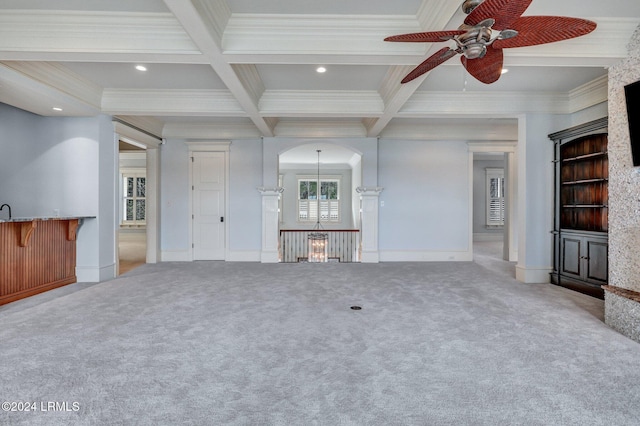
[[26, 229], [72, 232], [36, 256], [623, 292]]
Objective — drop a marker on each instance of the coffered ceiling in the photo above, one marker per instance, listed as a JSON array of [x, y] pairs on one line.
[[247, 68]]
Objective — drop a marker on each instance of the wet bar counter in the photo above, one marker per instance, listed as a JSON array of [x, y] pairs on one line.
[[36, 254]]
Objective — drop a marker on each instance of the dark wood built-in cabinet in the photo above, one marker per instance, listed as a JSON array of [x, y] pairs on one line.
[[581, 208]]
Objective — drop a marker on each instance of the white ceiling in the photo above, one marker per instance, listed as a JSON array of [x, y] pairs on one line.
[[246, 68]]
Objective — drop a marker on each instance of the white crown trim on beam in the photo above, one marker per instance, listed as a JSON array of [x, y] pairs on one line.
[[478, 103], [202, 30], [60, 78], [210, 131], [313, 34], [323, 129], [589, 94], [309, 103], [605, 45], [171, 102], [96, 32], [474, 130]]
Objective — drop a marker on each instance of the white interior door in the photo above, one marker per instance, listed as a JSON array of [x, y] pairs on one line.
[[208, 205]]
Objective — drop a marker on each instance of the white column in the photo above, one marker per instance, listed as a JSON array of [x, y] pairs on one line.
[[369, 223], [152, 204], [270, 197]]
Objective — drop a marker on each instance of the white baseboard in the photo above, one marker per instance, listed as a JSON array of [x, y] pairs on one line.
[[533, 275], [243, 256], [176, 256], [488, 237], [370, 257], [425, 256], [90, 274], [268, 256]]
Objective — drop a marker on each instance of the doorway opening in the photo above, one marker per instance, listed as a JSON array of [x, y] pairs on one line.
[[132, 203], [319, 179]]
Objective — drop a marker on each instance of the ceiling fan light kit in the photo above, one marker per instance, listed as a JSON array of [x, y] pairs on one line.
[[493, 25]]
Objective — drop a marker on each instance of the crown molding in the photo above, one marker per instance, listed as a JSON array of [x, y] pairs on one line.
[[216, 14], [604, 46], [464, 131], [171, 102], [589, 94], [391, 83], [312, 34], [250, 79], [210, 131], [147, 124], [30, 94], [324, 129], [95, 32], [436, 14], [480, 103], [301, 103], [60, 78]]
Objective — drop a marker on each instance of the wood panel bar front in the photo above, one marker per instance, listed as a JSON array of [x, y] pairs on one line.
[[35, 256]]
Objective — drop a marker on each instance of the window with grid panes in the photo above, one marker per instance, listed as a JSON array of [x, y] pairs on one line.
[[308, 199], [134, 203], [495, 197]]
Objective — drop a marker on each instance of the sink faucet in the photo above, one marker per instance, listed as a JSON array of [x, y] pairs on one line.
[[8, 206]]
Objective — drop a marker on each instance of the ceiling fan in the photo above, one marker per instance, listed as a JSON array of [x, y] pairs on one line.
[[493, 25]]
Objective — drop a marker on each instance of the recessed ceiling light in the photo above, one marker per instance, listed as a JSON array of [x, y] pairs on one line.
[[321, 69], [504, 70], [141, 68], [57, 109]]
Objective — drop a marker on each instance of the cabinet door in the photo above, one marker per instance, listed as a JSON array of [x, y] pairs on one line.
[[597, 262], [570, 254]]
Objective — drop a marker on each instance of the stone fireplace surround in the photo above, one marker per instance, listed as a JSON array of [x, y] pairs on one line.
[[622, 295]]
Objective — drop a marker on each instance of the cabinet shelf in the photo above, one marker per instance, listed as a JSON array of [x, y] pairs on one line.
[[583, 181], [585, 156]]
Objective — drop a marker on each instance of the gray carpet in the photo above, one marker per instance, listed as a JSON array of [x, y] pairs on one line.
[[213, 343]]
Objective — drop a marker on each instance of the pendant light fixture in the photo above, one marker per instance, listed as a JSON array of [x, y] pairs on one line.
[[318, 240]]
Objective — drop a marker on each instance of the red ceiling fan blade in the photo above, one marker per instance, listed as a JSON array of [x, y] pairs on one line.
[[428, 37], [533, 30], [430, 63], [505, 12], [486, 69]]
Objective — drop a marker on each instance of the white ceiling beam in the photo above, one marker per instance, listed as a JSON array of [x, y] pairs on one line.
[[38, 31], [171, 102], [205, 32], [460, 130], [211, 131], [395, 94], [148, 124], [62, 79], [321, 103], [433, 104], [342, 35]]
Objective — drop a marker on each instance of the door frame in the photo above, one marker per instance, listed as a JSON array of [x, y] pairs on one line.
[[151, 144], [209, 146], [510, 236]]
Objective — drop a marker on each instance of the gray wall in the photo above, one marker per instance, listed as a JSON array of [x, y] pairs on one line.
[[68, 164], [426, 199], [245, 210]]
